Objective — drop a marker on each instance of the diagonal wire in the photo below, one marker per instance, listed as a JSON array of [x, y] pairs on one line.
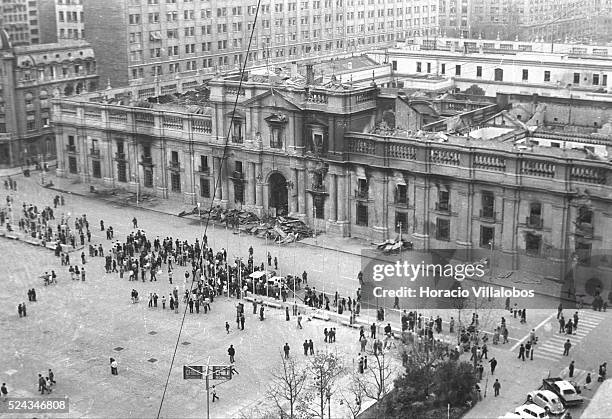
[[216, 183]]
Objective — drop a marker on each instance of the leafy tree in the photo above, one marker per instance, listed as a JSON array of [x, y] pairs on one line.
[[324, 369], [475, 90], [454, 382]]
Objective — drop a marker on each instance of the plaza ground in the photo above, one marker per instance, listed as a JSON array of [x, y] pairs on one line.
[[76, 327]]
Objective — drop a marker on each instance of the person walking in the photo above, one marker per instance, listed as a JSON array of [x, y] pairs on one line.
[[4, 392], [571, 369], [559, 310], [299, 320], [214, 394], [522, 352], [566, 347], [231, 352], [135, 222], [23, 309], [493, 363], [311, 347], [20, 310], [561, 324], [286, 313], [227, 327], [306, 346], [528, 348], [575, 320], [113, 366], [52, 377], [286, 350], [496, 387], [587, 382], [373, 331]]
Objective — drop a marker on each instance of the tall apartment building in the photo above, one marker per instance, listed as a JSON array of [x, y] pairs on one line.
[[20, 20], [167, 37], [455, 17], [587, 21], [30, 76]]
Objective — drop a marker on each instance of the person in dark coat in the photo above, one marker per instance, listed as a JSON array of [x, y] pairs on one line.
[[286, 350]]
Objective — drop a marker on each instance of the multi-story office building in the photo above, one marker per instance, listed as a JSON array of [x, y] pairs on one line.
[[165, 38], [20, 19], [30, 77], [568, 70], [455, 17], [322, 154]]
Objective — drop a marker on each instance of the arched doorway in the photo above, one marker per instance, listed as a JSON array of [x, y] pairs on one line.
[[277, 185]]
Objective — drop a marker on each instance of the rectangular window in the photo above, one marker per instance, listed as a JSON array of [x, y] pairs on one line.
[[525, 74], [148, 177], [443, 69], [488, 205], [458, 70], [401, 222], [175, 182], [576, 78], [596, 79], [238, 166], [204, 163], [547, 75], [72, 165], [204, 187], [401, 194], [487, 236], [362, 214], [276, 139], [478, 71], [394, 65], [604, 80], [443, 203], [534, 220], [121, 171], [238, 192], [319, 207], [429, 67], [96, 169], [442, 229], [533, 244], [418, 66]]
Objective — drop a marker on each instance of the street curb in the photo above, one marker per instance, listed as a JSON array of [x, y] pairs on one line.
[[84, 195]]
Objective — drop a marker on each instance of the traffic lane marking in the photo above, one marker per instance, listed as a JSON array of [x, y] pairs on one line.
[[542, 323]]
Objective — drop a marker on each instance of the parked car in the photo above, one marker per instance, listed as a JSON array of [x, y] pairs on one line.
[[547, 400], [531, 411], [565, 390]]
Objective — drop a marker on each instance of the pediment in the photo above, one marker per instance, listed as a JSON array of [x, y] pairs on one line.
[[271, 99]]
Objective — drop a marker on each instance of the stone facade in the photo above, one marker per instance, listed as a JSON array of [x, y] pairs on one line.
[[31, 77], [311, 152]]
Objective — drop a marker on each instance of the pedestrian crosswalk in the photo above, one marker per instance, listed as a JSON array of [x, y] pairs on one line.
[[552, 348]]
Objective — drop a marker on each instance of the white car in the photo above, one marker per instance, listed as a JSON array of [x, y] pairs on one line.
[[547, 400], [531, 411]]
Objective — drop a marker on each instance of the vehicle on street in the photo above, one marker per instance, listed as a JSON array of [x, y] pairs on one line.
[[547, 400], [531, 411], [565, 390]]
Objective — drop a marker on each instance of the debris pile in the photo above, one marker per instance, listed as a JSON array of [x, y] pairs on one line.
[[393, 246], [278, 229]]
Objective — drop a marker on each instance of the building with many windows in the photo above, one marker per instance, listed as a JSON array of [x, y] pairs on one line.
[[165, 38], [345, 159], [20, 19], [30, 77], [493, 66]]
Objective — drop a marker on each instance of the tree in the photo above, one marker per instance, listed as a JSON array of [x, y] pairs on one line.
[[475, 90], [353, 395], [287, 386], [324, 369], [455, 382], [377, 380]]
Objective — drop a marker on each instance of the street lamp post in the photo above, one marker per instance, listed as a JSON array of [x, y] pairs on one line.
[[328, 394]]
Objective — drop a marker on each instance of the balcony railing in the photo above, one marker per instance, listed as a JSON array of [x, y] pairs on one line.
[[95, 152], [174, 165], [534, 221], [237, 175], [443, 206], [71, 148], [205, 170], [401, 201], [237, 139], [361, 194], [488, 214], [318, 189], [120, 156]]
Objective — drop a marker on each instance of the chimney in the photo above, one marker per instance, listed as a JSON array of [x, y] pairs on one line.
[[310, 76]]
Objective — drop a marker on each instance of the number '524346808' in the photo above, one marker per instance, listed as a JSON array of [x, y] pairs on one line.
[[35, 405]]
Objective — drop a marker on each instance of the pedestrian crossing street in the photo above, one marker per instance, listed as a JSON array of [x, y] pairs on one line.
[[552, 348]]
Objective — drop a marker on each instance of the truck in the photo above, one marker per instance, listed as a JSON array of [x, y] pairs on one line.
[[564, 389]]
